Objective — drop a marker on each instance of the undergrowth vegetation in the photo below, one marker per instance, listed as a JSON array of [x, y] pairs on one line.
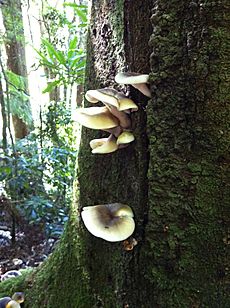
[[37, 169]]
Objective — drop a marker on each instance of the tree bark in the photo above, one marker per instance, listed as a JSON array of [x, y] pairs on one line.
[[174, 176], [16, 59], [188, 174], [4, 118]]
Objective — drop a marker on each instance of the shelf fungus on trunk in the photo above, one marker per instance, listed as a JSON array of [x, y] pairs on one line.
[[14, 302], [95, 118], [104, 145], [94, 96], [113, 117], [125, 138], [112, 97], [111, 222], [138, 81]]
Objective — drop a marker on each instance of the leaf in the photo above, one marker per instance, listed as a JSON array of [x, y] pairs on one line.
[[82, 14], [81, 10], [44, 60], [61, 57], [72, 48], [53, 53], [77, 63], [74, 5], [16, 80], [51, 85], [73, 43]]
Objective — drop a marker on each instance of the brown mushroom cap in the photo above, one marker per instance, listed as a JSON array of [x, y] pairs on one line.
[[112, 222], [95, 118], [138, 81]]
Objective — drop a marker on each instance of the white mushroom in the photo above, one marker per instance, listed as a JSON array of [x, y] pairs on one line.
[[94, 96], [111, 222], [138, 81], [112, 97], [95, 118], [14, 302], [125, 138], [104, 145]]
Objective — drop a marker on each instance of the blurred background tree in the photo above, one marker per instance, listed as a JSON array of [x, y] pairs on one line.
[[40, 44]]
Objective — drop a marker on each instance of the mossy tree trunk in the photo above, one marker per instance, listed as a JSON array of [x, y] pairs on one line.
[[174, 175]]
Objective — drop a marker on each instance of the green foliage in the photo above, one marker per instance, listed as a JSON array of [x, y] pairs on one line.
[[68, 66], [12, 17], [37, 172], [19, 99], [61, 53], [39, 175], [80, 10], [10, 286]]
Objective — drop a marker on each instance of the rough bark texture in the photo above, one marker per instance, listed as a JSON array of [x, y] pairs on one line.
[[16, 60], [188, 118], [4, 118], [118, 41], [174, 175]]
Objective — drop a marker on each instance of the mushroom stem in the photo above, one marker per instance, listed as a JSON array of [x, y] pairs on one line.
[[143, 88], [123, 117], [116, 131]]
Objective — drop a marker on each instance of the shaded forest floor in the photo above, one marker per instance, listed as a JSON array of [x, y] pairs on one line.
[[30, 247]]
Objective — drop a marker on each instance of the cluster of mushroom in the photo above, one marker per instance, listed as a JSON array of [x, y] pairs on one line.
[[14, 302], [113, 117], [111, 222]]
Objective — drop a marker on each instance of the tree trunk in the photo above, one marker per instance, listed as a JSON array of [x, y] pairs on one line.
[[16, 60], [4, 118], [174, 176]]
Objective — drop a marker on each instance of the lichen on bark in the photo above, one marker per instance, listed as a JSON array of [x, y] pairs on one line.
[[188, 154]]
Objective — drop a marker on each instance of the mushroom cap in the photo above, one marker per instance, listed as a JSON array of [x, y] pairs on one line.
[[138, 81], [125, 137], [4, 301], [12, 304], [90, 98], [131, 78], [18, 297], [95, 118], [104, 145], [124, 103], [111, 222], [94, 96]]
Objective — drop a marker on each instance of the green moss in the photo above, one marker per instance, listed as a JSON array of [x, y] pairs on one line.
[[17, 284], [60, 279], [188, 155]]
